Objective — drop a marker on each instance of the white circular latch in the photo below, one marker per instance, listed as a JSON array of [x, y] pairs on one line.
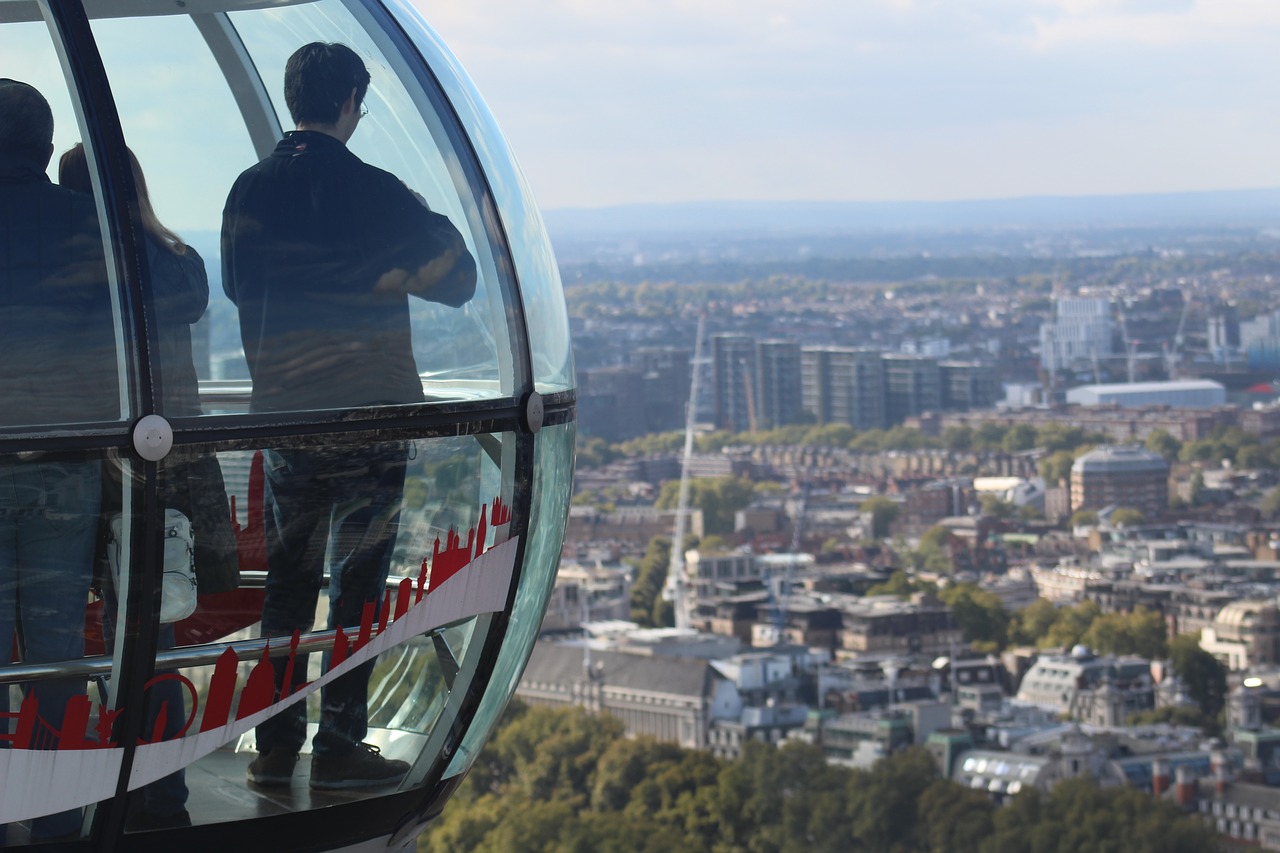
[[153, 438]]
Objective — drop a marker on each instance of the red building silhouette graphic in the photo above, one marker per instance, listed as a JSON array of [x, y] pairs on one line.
[[31, 731]]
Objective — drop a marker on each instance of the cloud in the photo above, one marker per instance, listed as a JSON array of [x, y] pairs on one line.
[[714, 98]]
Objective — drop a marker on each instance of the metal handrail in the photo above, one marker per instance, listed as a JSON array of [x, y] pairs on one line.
[[204, 654]]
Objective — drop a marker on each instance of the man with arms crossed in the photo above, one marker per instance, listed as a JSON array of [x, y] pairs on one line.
[[320, 253]]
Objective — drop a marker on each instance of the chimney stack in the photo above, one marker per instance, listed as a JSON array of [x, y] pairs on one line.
[[1185, 789], [1221, 771], [1159, 778]]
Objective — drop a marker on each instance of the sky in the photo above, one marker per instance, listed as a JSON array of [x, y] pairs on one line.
[[609, 102]]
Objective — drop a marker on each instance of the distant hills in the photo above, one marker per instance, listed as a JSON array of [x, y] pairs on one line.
[[1196, 210]]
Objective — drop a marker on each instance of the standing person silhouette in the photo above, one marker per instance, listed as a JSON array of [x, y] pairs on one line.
[[320, 254], [58, 367], [179, 286]]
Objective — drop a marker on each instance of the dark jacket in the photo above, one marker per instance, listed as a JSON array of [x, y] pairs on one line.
[[307, 235], [58, 353], [180, 288]]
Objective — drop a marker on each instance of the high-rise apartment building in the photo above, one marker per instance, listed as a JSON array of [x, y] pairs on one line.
[[968, 385], [841, 385], [778, 397], [665, 376], [733, 359], [1223, 333], [1081, 331], [913, 386]]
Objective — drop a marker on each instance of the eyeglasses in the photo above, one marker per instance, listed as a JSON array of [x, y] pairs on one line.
[[364, 110]]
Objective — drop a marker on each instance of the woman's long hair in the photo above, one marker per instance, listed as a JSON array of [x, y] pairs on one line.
[[73, 173]]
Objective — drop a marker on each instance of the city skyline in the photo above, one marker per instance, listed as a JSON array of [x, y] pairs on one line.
[[883, 100]]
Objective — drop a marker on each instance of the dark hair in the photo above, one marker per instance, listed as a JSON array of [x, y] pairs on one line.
[[26, 122], [319, 78], [73, 173]]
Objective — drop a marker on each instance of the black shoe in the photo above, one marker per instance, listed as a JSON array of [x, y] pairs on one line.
[[361, 767], [273, 768]]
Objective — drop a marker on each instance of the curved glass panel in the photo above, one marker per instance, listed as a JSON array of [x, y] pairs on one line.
[[552, 488], [339, 275], [54, 684], [61, 357], [540, 287], [339, 590]]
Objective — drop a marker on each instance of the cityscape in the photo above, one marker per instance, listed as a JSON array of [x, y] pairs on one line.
[[1019, 509]]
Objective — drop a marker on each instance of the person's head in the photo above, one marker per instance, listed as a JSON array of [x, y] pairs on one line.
[[320, 80], [73, 173], [26, 123]]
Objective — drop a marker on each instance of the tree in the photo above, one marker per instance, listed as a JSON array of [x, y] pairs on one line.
[[1140, 633], [651, 576], [934, 552], [1204, 676], [719, 498], [1179, 715], [901, 585], [953, 818], [979, 612], [1127, 517], [1069, 627], [1031, 623], [1271, 504], [1019, 437], [561, 780], [1077, 815], [957, 438], [883, 511], [594, 451], [1160, 441], [1083, 517], [1056, 467], [996, 508]]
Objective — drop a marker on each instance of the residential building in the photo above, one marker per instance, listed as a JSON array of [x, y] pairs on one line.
[[968, 385], [733, 360], [1125, 476], [913, 386], [841, 385], [778, 387], [1099, 690], [1081, 332], [1244, 635]]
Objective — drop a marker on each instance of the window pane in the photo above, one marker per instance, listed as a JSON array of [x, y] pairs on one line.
[[335, 283], [540, 286], [551, 491], [372, 570], [60, 353], [54, 581]]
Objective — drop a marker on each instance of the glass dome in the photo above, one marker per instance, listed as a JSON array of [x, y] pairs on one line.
[[287, 427]]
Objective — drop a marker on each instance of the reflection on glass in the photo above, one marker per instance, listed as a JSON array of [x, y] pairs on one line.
[[458, 341], [552, 487], [541, 290], [58, 365], [419, 530], [56, 323]]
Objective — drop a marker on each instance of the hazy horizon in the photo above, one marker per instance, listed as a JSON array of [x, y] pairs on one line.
[[876, 100]]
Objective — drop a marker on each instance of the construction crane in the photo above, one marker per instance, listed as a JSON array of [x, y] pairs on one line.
[[677, 586], [1173, 355], [1130, 349]]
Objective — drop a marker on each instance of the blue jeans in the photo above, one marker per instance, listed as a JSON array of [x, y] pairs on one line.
[[48, 528], [343, 503]]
